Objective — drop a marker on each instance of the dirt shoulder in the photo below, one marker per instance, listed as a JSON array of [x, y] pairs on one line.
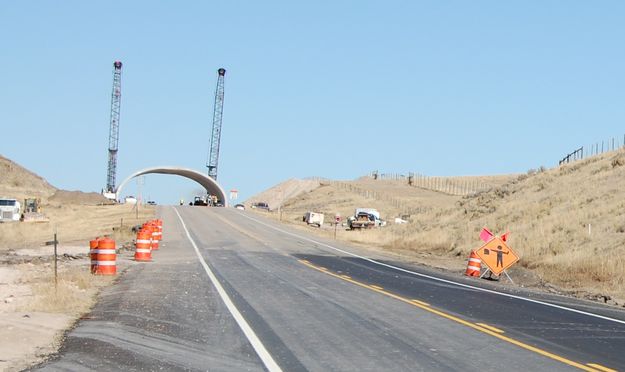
[[35, 312]]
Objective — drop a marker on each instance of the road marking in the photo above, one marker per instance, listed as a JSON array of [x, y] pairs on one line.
[[494, 329], [346, 276], [258, 346], [437, 278], [376, 287], [420, 302], [601, 368], [477, 327]]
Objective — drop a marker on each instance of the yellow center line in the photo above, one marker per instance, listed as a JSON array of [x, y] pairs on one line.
[[420, 302], [460, 321], [494, 329], [601, 368], [346, 277], [376, 287]]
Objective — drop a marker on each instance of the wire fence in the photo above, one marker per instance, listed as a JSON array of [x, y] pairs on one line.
[[597, 148], [460, 186], [381, 196]]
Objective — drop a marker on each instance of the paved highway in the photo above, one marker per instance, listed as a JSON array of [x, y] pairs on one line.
[[232, 291]]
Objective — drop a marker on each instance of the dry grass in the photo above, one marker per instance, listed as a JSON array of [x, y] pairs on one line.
[[75, 223], [74, 294], [548, 213]]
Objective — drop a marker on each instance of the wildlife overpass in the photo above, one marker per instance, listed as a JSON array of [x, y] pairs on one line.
[[211, 186]]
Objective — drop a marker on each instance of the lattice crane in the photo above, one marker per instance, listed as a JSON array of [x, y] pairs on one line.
[[213, 154], [116, 96]]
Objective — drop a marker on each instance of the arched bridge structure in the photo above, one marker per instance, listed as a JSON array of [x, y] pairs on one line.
[[211, 186]]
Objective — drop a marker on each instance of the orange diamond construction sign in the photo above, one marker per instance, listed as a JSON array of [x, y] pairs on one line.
[[497, 255]]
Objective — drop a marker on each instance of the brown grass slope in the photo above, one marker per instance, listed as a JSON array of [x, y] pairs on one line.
[[566, 223], [18, 182], [74, 215]]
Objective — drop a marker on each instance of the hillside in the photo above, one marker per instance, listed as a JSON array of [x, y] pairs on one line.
[[286, 190], [566, 223], [18, 182]]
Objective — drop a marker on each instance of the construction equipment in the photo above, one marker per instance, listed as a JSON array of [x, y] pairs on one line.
[[32, 211], [213, 154], [116, 96], [200, 200]]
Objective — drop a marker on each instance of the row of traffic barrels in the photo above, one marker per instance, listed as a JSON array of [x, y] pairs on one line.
[[103, 251], [148, 239]]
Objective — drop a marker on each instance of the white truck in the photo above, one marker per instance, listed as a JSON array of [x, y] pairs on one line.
[[314, 218], [9, 210], [365, 218]]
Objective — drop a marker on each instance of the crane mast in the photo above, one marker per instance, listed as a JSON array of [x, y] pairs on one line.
[[114, 128], [213, 155]]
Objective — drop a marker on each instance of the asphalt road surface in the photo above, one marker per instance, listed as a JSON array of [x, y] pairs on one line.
[[232, 291]]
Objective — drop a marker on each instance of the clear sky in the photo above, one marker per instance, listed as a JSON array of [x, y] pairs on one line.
[[321, 88]]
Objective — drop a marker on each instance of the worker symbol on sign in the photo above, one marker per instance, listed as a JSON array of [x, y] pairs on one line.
[[499, 253]]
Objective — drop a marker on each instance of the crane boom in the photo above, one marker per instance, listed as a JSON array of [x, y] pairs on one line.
[[116, 96], [213, 155]]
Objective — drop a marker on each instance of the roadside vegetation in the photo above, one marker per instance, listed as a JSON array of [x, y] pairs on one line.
[[567, 223]]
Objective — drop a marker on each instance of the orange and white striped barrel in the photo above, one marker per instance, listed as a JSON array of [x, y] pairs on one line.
[[106, 257], [474, 265], [156, 234], [155, 240], [159, 228], [143, 250], [93, 254]]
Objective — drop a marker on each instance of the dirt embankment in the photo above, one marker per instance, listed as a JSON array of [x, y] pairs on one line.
[[35, 310], [566, 223]]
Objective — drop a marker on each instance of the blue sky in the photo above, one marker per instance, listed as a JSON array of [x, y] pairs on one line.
[[326, 88]]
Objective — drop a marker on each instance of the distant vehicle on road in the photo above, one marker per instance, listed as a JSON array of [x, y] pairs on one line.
[[240, 206], [151, 202], [261, 205]]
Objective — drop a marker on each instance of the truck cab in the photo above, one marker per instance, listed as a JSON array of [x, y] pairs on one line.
[[9, 209]]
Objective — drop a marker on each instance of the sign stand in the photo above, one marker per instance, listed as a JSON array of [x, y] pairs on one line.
[[491, 274]]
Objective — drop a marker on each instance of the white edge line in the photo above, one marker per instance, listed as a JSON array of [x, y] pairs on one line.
[[258, 346], [437, 278]]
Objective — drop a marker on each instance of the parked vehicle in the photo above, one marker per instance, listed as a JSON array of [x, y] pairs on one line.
[[261, 205], [365, 218], [314, 218], [9, 210], [240, 206]]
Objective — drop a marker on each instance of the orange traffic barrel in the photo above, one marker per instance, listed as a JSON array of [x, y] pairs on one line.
[[155, 241], [93, 254], [159, 225], [474, 265], [106, 257], [143, 250]]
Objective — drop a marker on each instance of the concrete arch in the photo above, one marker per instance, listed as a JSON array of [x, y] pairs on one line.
[[211, 186]]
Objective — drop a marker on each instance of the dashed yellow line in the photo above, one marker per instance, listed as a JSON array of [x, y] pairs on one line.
[[601, 368], [590, 367], [494, 329]]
